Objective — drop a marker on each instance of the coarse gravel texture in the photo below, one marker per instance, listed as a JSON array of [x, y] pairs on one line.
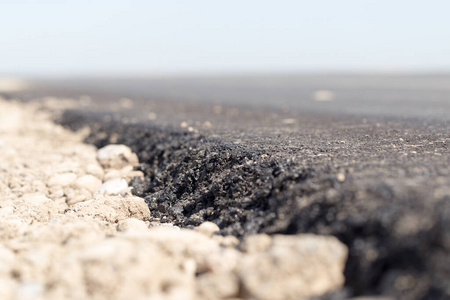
[[380, 185], [70, 229]]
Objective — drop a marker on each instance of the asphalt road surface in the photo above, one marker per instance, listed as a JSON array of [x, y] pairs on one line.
[[362, 157], [359, 94]]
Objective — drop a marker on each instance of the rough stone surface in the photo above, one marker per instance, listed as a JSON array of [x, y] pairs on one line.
[[112, 208], [59, 242], [208, 228], [256, 243], [88, 182], [280, 272], [95, 170], [116, 157], [115, 186]]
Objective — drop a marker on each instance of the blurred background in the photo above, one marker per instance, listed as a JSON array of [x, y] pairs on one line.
[[286, 52]]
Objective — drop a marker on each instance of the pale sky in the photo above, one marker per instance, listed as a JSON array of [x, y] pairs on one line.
[[117, 38]]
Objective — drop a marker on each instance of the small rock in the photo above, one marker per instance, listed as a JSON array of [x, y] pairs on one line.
[[116, 157], [126, 172], [228, 241], [95, 170], [69, 192], [56, 192], [293, 267], [256, 243], [64, 179], [340, 177], [113, 208], [207, 228], [76, 199], [113, 186], [89, 182], [126, 169], [112, 174], [132, 174]]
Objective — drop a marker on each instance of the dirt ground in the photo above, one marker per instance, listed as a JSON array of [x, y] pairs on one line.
[[71, 228]]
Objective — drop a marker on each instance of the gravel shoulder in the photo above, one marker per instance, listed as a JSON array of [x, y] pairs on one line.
[[70, 228]]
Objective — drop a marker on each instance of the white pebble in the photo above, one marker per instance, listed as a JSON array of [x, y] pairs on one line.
[[116, 156], [207, 228], [113, 186], [95, 170]]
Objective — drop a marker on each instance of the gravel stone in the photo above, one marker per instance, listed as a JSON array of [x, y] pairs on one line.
[[96, 170], [115, 186], [63, 180], [280, 271], [256, 243], [207, 228], [88, 182], [116, 157], [101, 248]]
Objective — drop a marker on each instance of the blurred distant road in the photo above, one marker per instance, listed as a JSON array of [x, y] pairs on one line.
[[423, 96]]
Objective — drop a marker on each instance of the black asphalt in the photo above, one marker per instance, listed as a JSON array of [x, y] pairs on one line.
[[362, 157]]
